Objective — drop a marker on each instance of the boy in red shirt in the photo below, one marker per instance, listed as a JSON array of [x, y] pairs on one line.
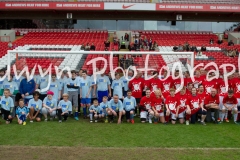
[[195, 107], [171, 107], [230, 104], [157, 107], [145, 107]]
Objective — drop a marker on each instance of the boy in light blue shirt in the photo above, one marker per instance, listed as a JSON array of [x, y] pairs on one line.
[[117, 86], [95, 111], [35, 107], [85, 92], [103, 87], [55, 87], [22, 113], [129, 104], [7, 106], [115, 108], [125, 82], [64, 108], [104, 104], [72, 85]]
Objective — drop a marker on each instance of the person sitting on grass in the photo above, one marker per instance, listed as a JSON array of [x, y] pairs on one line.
[[129, 104], [64, 108], [22, 112], [7, 106], [104, 105], [115, 109], [35, 107], [145, 108], [49, 106], [95, 111]]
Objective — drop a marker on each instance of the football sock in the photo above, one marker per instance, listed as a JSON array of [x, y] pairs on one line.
[[226, 114], [188, 117], [235, 117], [212, 114], [84, 111], [167, 118], [91, 116], [131, 116]]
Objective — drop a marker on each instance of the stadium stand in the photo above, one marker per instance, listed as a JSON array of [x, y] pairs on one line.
[[203, 1], [115, 1]]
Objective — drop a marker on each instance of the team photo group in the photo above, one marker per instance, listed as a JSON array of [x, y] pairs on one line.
[[119, 100]]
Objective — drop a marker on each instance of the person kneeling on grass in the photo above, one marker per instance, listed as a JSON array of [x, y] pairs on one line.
[[104, 105], [49, 106], [157, 107], [64, 108], [115, 109], [195, 108], [145, 108], [129, 104], [230, 104], [35, 107], [95, 111], [7, 106], [22, 112]]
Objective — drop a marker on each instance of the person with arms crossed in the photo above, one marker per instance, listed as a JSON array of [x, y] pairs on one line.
[[22, 113], [72, 87], [7, 106], [49, 106], [64, 108], [35, 107], [115, 109], [195, 107], [26, 89], [129, 104]]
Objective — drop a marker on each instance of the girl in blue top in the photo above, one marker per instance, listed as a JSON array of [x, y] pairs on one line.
[[64, 107], [35, 107]]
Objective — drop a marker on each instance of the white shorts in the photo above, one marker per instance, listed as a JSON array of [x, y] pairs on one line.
[[143, 114], [238, 102], [161, 114], [221, 102], [181, 115], [233, 109]]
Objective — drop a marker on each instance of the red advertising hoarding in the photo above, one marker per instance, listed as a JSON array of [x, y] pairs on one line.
[[53, 5], [198, 7]]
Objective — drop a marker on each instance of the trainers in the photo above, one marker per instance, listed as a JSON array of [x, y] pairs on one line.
[[236, 122], [165, 123], [76, 118], [45, 120], [31, 121], [219, 120], [150, 120], [96, 121], [187, 123], [91, 121], [60, 121], [106, 121], [132, 121], [24, 123], [226, 120], [203, 123]]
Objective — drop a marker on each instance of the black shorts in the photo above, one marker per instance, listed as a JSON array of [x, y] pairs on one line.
[[128, 114], [42, 96], [18, 97], [5, 113], [138, 100], [39, 114]]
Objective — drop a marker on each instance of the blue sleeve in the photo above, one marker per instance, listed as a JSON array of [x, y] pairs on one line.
[[59, 86], [55, 104], [17, 111], [70, 108], [108, 81], [113, 82], [12, 104], [135, 103], [32, 87], [20, 87], [27, 109], [120, 106], [90, 108], [44, 100], [40, 105], [60, 103], [29, 103]]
